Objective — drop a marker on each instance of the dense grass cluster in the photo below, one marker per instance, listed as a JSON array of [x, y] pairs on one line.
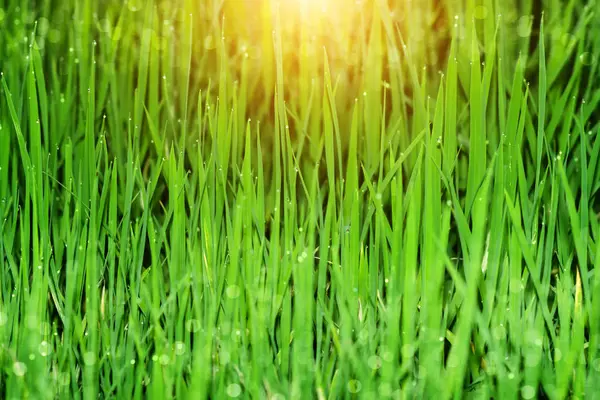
[[299, 199]]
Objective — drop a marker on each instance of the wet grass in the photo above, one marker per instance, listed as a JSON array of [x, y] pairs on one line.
[[312, 200]]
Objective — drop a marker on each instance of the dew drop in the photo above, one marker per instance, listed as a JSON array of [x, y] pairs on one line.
[[234, 390], [354, 386], [89, 358], [19, 368], [528, 392], [44, 349]]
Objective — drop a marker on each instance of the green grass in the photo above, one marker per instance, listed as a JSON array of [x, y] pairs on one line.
[[251, 199]]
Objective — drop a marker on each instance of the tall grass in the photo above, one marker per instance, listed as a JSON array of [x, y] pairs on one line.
[[300, 199]]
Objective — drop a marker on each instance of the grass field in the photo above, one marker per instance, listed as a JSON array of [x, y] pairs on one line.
[[299, 199]]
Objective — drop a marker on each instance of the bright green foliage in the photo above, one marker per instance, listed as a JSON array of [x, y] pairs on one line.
[[299, 199]]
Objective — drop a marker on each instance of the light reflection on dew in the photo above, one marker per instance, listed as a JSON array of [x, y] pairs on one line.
[[587, 58]]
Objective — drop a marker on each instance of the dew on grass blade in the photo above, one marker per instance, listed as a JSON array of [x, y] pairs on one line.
[[587, 58], [224, 357], [408, 350], [164, 359], [233, 291], [32, 322], [89, 358], [354, 386], [234, 390], [179, 348], [374, 362], [558, 355], [192, 325], [499, 332], [43, 26], [524, 26], [44, 348], [528, 392], [19, 368], [388, 356]]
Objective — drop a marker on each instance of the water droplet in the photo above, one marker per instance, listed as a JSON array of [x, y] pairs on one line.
[[234, 390], [224, 357], [354, 386], [528, 392], [408, 350], [557, 355], [525, 25], [532, 359], [232, 291], [499, 332], [164, 359], [179, 348], [89, 358], [587, 58], [44, 348], [19, 368], [374, 362]]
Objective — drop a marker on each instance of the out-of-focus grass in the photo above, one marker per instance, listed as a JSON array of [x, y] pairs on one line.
[[299, 199]]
